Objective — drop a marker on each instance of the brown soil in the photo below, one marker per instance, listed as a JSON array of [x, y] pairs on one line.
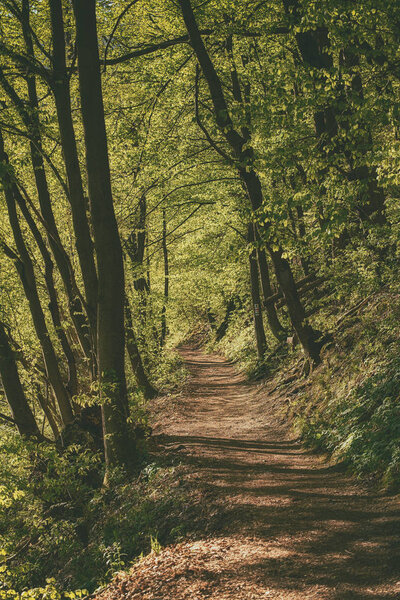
[[289, 527]]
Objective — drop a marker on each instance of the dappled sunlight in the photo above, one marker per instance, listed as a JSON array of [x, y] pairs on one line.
[[286, 526]]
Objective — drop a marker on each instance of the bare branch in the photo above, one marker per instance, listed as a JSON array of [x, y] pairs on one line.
[[149, 49], [7, 419], [118, 21]]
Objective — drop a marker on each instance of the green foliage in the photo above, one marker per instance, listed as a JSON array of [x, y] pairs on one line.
[[352, 409], [59, 524], [48, 592], [363, 428], [42, 504]]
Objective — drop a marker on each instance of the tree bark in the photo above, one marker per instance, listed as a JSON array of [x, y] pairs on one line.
[[61, 90], [221, 330], [25, 270], [164, 328], [111, 285], [61, 257], [135, 249], [134, 356], [17, 401], [308, 337], [255, 295], [31, 120], [284, 275], [270, 308], [52, 292]]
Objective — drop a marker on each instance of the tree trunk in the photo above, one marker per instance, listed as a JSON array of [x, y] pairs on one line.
[[61, 257], [308, 337], [223, 327], [164, 328], [244, 155], [111, 290], [52, 292], [284, 275], [255, 295], [272, 316], [20, 409], [61, 90], [24, 266], [134, 356], [31, 121], [135, 249]]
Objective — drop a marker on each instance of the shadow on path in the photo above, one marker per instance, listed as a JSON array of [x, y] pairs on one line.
[[286, 525]]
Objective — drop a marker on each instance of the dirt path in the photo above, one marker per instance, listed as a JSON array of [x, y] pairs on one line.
[[290, 527]]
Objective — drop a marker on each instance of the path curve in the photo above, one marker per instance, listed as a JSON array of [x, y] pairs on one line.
[[290, 527]]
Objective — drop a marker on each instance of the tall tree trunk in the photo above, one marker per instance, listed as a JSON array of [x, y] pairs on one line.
[[255, 295], [309, 338], [111, 290], [270, 308], [135, 249], [61, 258], [15, 395], [24, 266], [134, 356], [52, 292], [221, 330], [61, 90], [244, 155], [164, 328], [31, 121]]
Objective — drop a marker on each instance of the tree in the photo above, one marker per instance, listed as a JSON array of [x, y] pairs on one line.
[[20, 409], [244, 160], [111, 286]]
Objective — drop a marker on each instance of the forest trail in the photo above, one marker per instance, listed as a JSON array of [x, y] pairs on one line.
[[289, 526]]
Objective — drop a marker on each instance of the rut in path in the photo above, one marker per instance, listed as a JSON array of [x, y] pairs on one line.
[[292, 528]]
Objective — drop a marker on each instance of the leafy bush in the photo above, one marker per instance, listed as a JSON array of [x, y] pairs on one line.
[[55, 521], [49, 591]]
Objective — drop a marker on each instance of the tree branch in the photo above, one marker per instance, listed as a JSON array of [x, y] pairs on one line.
[[149, 49], [8, 419], [208, 137], [118, 21]]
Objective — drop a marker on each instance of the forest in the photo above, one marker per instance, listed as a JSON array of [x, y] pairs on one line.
[[199, 299]]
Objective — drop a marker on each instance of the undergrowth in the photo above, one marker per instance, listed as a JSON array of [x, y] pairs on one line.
[[351, 409], [56, 523]]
